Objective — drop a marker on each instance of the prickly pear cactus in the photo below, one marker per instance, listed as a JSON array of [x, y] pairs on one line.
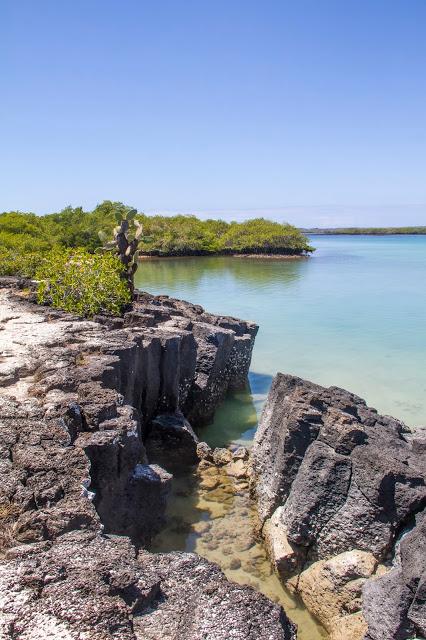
[[127, 235]]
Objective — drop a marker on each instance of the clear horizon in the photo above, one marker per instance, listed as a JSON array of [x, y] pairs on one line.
[[233, 109]]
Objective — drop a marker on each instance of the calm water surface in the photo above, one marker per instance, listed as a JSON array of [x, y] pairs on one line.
[[353, 315]]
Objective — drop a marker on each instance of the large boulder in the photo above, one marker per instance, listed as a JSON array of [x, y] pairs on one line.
[[332, 591], [329, 476]]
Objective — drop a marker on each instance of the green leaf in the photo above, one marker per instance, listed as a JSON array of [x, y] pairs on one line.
[[131, 214]]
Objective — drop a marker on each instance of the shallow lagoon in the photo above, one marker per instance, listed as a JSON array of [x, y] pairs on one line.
[[353, 315]]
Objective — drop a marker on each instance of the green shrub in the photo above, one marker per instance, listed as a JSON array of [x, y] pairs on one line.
[[14, 263], [25, 232], [23, 242], [82, 283], [263, 236]]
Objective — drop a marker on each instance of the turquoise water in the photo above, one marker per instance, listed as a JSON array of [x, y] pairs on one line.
[[353, 315]]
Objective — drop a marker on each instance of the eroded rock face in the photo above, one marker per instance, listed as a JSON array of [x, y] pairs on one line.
[[80, 399], [223, 345], [331, 476], [395, 604], [86, 586]]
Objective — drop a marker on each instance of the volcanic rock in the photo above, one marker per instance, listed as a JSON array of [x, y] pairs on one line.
[[331, 476]]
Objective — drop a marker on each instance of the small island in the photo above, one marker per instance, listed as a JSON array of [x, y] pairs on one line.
[[26, 237]]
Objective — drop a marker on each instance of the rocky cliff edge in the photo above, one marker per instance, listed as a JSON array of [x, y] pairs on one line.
[[79, 496]]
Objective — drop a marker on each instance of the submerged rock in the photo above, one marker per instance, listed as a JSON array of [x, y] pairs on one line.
[[204, 452], [222, 456], [237, 469], [331, 476]]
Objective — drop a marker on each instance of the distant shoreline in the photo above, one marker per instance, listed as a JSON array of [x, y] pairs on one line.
[[250, 256], [367, 231]]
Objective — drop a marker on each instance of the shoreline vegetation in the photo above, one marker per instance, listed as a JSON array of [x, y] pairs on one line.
[[365, 231], [163, 236], [249, 256], [84, 262]]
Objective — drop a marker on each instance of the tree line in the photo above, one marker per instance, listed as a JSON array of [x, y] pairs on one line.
[[177, 235]]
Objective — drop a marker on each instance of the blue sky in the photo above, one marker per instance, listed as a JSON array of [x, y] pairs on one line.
[[312, 111]]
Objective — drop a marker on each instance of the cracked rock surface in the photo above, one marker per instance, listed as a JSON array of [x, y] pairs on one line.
[[331, 476], [86, 586]]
